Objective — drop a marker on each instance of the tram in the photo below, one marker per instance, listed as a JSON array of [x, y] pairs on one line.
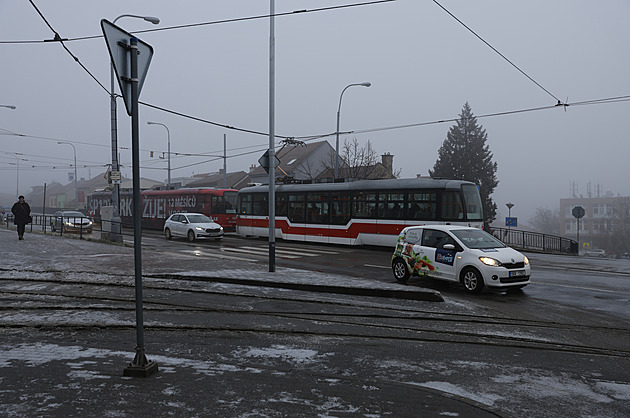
[[157, 205], [364, 212]]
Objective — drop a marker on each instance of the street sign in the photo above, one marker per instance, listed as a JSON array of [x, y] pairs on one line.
[[117, 41], [578, 212], [264, 161], [510, 221]]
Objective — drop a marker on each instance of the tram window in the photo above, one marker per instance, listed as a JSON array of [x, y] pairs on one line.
[[340, 208], [364, 205], [230, 199], [245, 202], [281, 204], [422, 205], [391, 205], [218, 205], [451, 207], [317, 208], [260, 205], [297, 208]]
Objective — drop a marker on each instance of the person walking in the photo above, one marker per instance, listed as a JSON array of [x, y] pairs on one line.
[[21, 215]]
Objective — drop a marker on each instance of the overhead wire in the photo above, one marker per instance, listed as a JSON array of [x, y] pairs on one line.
[[215, 22], [497, 51]]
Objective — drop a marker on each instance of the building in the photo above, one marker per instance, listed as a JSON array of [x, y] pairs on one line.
[[606, 222], [314, 162]]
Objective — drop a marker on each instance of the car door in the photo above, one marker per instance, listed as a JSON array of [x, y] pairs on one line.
[[440, 262], [176, 225]]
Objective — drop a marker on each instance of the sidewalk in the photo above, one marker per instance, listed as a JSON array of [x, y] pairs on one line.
[[64, 356]]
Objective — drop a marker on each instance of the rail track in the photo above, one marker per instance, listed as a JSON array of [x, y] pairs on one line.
[[81, 300]]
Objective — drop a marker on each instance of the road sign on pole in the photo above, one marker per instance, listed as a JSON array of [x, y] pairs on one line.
[[118, 44], [264, 161]]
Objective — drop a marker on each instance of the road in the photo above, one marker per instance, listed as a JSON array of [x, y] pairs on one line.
[[242, 349], [595, 286]]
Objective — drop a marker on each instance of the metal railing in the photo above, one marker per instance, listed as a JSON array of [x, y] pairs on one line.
[[535, 241], [57, 225]]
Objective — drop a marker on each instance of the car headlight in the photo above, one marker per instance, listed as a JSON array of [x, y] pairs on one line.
[[526, 260], [199, 228], [490, 261]]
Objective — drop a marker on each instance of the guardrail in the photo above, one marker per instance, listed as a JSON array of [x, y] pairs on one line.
[[56, 225], [535, 241]]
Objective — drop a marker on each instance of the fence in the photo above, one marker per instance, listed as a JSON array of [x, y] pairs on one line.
[[57, 225], [535, 241]]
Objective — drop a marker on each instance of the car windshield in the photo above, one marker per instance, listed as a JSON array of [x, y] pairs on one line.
[[477, 239], [198, 219], [73, 215]]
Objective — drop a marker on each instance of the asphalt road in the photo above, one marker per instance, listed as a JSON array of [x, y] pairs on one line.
[[250, 349]]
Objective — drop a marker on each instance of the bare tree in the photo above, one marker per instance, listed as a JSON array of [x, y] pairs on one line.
[[358, 162], [546, 221]]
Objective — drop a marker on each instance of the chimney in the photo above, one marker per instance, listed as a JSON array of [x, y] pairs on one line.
[[388, 163]]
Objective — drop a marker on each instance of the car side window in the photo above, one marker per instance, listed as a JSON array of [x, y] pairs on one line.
[[176, 218], [436, 239]]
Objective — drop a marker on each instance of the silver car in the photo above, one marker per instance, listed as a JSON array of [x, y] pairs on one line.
[[192, 226]]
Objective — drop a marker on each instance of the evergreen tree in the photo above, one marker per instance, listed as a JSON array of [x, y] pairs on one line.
[[464, 155]]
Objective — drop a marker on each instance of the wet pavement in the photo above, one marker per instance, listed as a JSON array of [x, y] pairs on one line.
[[68, 333]]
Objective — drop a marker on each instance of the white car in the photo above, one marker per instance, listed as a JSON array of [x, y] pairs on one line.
[[192, 226], [462, 254]]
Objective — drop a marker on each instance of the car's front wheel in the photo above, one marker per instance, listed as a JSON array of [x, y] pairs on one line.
[[167, 234], [191, 235], [399, 268], [472, 280]]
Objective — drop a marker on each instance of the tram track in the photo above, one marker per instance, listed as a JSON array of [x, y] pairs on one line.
[[322, 316]]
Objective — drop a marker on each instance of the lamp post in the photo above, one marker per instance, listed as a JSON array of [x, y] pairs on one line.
[[76, 190], [17, 177], [168, 134], [115, 225], [365, 84]]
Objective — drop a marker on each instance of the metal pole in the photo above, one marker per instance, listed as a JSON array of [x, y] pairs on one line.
[[140, 361], [364, 84], [17, 177], [76, 188], [225, 160], [168, 135], [272, 155]]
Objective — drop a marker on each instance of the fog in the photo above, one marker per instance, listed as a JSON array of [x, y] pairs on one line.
[[423, 65]]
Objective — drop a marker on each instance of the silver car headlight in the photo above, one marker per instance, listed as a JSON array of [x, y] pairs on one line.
[[526, 260], [199, 228], [488, 261]]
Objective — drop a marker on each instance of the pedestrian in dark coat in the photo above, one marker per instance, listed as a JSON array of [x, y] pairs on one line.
[[21, 215]]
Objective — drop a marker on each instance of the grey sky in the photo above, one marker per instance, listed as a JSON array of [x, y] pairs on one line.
[[423, 66]]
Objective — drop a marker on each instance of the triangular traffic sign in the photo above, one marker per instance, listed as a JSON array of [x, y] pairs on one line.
[[117, 41]]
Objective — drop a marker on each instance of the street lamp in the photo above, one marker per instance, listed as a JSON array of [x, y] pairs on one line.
[[365, 84], [76, 190], [8, 106], [115, 226], [509, 205], [168, 133]]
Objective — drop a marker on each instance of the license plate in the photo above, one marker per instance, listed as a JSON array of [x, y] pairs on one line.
[[517, 273]]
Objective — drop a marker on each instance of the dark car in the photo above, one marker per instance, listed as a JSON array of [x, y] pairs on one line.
[[70, 221]]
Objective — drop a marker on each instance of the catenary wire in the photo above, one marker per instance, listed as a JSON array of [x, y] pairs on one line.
[[495, 50]]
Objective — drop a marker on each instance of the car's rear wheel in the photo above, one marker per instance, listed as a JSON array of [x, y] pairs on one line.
[[399, 268], [472, 280], [167, 234], [191, 235]]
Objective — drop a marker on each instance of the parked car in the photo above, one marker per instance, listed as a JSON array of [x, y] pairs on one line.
[[70, 221], [192, 226], [462, 254], [595, 253]]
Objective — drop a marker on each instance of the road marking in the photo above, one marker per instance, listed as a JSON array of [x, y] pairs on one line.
[[577, 287], [257, 251], [378, 267]]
